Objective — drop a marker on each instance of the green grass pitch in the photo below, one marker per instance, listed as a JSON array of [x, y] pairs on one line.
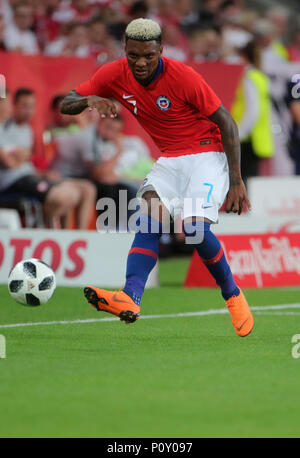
[[171, 377]]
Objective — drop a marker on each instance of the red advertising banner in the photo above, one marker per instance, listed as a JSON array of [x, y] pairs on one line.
[[256, 261], [50, 76]]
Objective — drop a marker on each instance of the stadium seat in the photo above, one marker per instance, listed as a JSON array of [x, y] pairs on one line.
[[9, 219]]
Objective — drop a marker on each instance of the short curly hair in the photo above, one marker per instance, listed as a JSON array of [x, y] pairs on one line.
[[143, 30]]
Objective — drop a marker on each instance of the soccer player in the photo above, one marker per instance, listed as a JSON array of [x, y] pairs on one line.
[[200, 158]]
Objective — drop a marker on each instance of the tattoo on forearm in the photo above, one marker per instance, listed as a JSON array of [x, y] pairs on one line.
[[73, 103], [230, 139]]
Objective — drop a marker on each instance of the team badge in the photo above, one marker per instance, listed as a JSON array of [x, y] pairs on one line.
[[163, 102]]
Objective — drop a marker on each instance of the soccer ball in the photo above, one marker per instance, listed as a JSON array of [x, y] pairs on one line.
[[31, 282]]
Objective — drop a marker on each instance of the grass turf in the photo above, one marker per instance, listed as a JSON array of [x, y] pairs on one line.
[[170, 377]]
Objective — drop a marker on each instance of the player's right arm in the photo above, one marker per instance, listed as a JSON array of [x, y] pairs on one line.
[[94, 93], [74, 103]]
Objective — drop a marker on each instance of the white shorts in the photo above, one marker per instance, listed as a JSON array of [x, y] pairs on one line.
[[190, 185]]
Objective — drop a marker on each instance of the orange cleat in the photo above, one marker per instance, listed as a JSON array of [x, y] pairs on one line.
[[241, 315], [116, 302]]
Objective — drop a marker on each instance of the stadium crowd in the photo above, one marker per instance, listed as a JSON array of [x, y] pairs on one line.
[[87, 158], [204, 30]]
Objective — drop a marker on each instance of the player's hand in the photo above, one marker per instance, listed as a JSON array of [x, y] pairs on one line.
[[105, 107], [236, 197]]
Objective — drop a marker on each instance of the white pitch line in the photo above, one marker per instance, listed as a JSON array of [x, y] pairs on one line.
[[272, 312], [259, 309]]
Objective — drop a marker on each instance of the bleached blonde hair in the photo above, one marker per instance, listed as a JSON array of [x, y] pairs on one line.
[[143, 30]]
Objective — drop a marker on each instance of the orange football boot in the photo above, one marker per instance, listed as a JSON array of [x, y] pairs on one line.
[[241, 315], [116, 302]]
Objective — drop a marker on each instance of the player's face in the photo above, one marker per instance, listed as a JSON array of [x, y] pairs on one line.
[[143, 57]]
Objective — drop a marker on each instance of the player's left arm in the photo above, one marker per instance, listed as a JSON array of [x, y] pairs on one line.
[[237, 194]]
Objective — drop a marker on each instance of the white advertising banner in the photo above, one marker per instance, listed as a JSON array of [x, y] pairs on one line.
[[275, 197], [78, 258], [252, 223]]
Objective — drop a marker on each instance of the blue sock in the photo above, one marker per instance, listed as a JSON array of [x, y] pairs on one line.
[[142, 257], [211, 253]]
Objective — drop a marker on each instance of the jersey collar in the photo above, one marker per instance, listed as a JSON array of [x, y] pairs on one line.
[[160, 69]]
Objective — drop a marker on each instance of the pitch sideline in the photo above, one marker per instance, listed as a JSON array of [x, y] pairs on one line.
[[260, 309]]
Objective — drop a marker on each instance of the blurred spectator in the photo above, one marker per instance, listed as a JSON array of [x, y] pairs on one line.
[[186, 15], [139, 9], [279, 18], [279, 70], [17, 174], [294, 48], [46, 27], [165, 13], [229, 10], [113, 160], [209, 10], [247, 19], [207, 30], [18, 35], [122, 162], [293, 100], [265, 34], [73, 156], [6, 9], [2, 29], [75, 11], [174, 43], [231, 17], [102, 46], [122, 158], [252, 112], [118, 16], [189, 17], [75, 43], [205, 44]]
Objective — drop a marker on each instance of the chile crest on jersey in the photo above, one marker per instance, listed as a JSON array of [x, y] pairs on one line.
[[163, 102]]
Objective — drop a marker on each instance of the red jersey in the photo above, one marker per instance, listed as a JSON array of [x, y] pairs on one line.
[[173, 109]]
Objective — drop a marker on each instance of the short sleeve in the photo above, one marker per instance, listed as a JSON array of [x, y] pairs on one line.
[[199, 94], [101, 82]]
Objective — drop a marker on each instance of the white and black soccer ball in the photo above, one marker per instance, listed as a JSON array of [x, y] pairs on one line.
[[31, 282]]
